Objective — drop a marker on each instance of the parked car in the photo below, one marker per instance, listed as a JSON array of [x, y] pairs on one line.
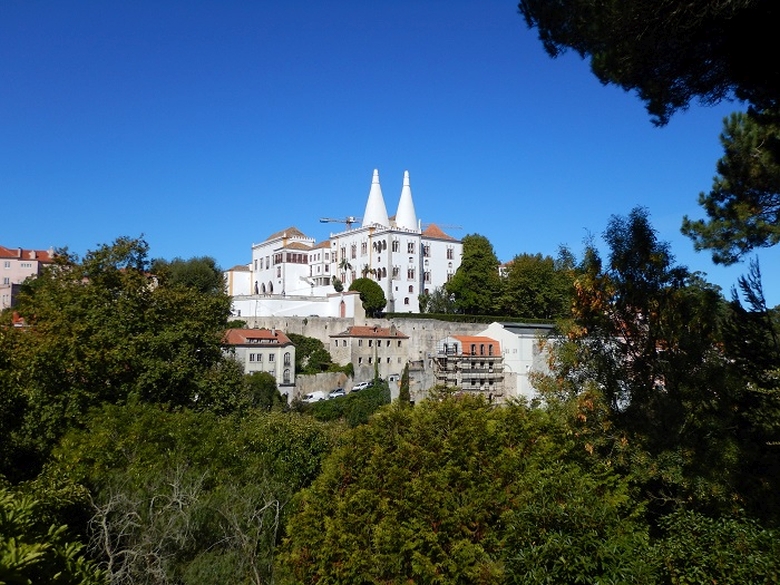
[[315, 396], [337, 393], [361, 386]]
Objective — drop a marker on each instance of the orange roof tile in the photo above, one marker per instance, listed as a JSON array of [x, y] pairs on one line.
[[252, 336], [371, 331], [434, 231], [290, 232], [23, 254]]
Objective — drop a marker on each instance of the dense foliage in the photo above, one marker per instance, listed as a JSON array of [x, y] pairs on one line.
[[371, 294], [670, 53], [743, 207], [32, 552], [675, 52], [105, 329], [476, 285], [652, 342], [355, 408], [189, 497], [453, 492]]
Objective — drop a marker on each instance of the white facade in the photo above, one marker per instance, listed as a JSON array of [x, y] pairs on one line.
[[523, 350], [16, 265], [264, 350], [396, 252]]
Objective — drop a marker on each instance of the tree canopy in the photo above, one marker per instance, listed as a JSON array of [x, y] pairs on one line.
[[743, 207], [670, 53], [476, 284], [455, 491], [371, 294], [538, 287], [651, 340], [106, 329]]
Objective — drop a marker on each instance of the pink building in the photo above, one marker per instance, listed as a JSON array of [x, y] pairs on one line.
[[17, 264]]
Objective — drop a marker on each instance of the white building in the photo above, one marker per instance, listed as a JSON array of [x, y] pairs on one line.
[[264, 350], [402, 257], [16, 265], [524, 353]]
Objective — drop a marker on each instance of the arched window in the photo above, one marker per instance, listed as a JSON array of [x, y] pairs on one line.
[[287, 358], [286, 376], [406, 300], [490, 349], [481, 349]]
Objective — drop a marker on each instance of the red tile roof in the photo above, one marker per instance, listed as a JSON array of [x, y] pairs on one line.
[[434, 231], [255, 336], [22, 254], [290, 232], [468, 340], [372, 331]]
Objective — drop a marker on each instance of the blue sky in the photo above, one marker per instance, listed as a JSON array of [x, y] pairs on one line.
[[206, 126]]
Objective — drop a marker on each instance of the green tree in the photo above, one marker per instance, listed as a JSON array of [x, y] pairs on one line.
[[476, 285], [447, 492], [371, 294], [263, 392], [104, 329], [311, 357], [649, 338], [185, 496], [699, 549], [538, 287], [34, 553], [203, 274], [438, 301], [356, 408], [404, 396], [743, 207], [670, 53]]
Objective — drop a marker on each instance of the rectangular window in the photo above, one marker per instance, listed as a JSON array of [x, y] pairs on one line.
[[396, 246], [370, 342], [410, 274], [7, 264], [271, 357], [360, 343], [363, 248], [6, 280], [450, 254], [251, 357], [410, 248], [353, 251]]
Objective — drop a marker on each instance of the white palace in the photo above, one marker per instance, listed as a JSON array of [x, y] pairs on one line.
[[292, 275]]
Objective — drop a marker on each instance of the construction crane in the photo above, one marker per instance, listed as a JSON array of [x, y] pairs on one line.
[[349, 220]]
